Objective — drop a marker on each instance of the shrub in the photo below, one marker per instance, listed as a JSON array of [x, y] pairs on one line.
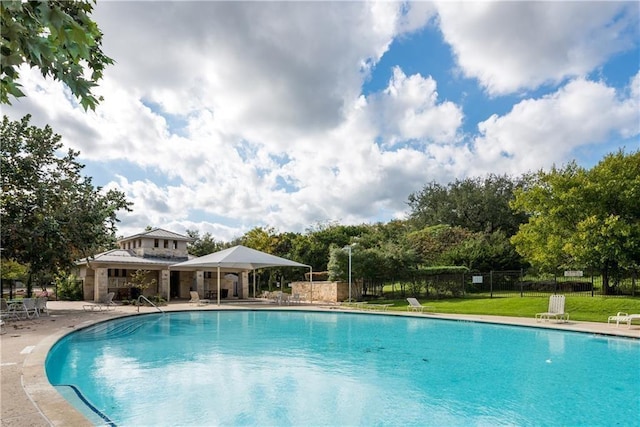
[[69, 288]]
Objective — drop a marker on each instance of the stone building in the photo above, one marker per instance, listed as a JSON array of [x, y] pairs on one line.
[[153, 251]]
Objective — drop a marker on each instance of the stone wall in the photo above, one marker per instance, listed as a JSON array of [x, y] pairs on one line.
[[321, 291]]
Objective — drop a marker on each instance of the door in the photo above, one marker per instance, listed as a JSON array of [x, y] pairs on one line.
[[174, 284]]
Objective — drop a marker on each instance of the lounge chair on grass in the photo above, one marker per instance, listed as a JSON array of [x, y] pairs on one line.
[[623, 318], [195, 299], [414, 305], [105, 304], [555, 310]]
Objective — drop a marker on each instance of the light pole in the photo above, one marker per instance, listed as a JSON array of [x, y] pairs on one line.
[[348, 247]]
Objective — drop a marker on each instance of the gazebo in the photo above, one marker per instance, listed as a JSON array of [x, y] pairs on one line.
[[240, 258]]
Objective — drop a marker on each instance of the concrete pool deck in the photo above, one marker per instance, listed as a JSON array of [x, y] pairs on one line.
[[27, 398]]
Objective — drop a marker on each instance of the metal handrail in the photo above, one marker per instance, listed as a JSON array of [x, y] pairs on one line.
[[147, 300]]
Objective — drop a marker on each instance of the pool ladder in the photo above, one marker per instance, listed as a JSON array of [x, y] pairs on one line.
[[142, 297]]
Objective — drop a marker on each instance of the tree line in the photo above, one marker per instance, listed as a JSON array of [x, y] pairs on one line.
[[567, 218]]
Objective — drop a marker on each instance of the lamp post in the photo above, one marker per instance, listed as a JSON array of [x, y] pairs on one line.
[[348, 248]]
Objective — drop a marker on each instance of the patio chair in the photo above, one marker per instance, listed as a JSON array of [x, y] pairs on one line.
[[623, 318], [41, 305], [414, 305], [555, 310], [30, 308], [7, 312], [105, 304], [195, 299]]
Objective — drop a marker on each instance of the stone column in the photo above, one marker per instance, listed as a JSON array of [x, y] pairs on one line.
[[165, 284], [200, 283], [243, 285], [101, 284]]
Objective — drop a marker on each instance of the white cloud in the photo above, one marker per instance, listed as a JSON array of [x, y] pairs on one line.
[[514, 46], [539, 132], [408, 109], [252, 113]]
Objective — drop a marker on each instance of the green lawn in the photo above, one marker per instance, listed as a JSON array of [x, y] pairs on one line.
[[593, 309]]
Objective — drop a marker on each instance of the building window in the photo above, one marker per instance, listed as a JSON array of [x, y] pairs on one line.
[[156, 243], [175, 244], [206, 274], [116, 272], [139, 243], [166, 244]]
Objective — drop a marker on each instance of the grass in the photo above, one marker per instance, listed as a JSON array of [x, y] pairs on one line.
[[592, 309]]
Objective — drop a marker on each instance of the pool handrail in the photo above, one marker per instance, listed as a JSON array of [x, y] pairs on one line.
[[147, 300]]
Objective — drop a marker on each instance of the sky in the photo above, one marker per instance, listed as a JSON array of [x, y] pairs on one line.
[[225, 116]]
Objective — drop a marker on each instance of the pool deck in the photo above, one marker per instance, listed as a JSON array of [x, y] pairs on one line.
[[27, 398]]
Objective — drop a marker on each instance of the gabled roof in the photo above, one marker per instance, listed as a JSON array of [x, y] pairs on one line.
[[159, 233], [123, 256]]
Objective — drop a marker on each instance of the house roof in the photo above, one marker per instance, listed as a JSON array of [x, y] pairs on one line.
[[159, 233], [123, 256]]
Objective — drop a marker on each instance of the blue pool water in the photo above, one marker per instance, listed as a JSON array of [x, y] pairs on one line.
[[308, 368]]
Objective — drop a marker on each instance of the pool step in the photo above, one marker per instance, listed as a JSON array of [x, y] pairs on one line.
[[113, 329]]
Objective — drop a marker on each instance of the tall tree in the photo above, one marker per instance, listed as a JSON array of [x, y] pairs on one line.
[[479, 205], [579, 217], [56, 36], [51, 215], [203, 245]]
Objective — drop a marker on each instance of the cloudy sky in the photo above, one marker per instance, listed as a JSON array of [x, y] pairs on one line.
[[224, 116]]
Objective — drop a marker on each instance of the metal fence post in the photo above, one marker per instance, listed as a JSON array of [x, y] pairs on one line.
[[521, 284], [491, 283], [463, 283]]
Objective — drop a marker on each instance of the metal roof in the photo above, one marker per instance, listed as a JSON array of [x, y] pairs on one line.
[[159, 233], [123, 256]]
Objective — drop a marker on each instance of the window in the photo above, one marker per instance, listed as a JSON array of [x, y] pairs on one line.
[[166, 244], [175, 244], [156, 243], [139, 243], [206, 274]]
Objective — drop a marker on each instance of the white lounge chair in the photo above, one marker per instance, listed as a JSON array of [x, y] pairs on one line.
[[195, 299], [105, 304], [623, 318], [414, 305], [556, 310]]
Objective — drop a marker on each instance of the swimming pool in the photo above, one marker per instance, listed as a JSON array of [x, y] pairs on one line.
[[313, 368]]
